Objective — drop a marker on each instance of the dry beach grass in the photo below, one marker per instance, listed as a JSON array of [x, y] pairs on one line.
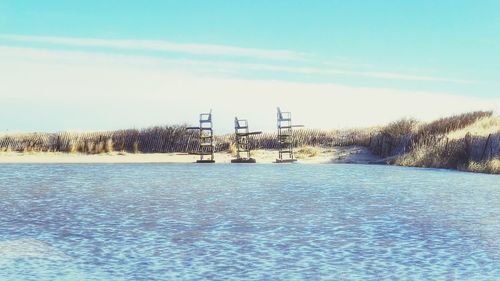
[[469, 141]]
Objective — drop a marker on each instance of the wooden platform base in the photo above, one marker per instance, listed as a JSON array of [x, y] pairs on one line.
[[285, 160], [244, 160], [205, 161]]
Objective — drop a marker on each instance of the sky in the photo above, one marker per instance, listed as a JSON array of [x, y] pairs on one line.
[[106, 64]]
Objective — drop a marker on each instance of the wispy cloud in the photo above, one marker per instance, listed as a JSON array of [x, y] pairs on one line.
[[163, 46], [272, 60], [123, 91], [233, 67], [334, 72]]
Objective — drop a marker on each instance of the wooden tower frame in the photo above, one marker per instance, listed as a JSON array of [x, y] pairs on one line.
[[206, 138], [243, 147], [285, 137]]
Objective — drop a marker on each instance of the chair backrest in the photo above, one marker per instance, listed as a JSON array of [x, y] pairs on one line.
[[206, 117], [280, 115], [284, 116], [240, 126]]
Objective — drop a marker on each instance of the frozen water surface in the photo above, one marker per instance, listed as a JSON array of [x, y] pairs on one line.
[[250, 222]]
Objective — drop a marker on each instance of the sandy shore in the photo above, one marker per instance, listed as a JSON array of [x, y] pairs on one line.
[[352, 154]]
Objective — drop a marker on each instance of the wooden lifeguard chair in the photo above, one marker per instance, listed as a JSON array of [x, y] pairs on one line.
[[206, 139], [285, 137], [242, 134]]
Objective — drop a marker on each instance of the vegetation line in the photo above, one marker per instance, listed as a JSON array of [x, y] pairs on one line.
[[470, 141]]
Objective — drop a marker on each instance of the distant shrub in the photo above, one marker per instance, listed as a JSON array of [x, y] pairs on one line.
[[99, 147], [135, 147], [401, 127], [452, 123], [449, 142], [491, 166], [441, 154], [89, 147], [72, 147], [108, 145], [232, 149], [307, 151], [482, 127]]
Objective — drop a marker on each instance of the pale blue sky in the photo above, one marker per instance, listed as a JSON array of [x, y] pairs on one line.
[[442, 47]]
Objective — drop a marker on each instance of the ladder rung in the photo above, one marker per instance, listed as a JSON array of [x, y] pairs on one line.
[[200, 153]]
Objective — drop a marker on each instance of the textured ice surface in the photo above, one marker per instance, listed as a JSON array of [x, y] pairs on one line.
[[164, 222]]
